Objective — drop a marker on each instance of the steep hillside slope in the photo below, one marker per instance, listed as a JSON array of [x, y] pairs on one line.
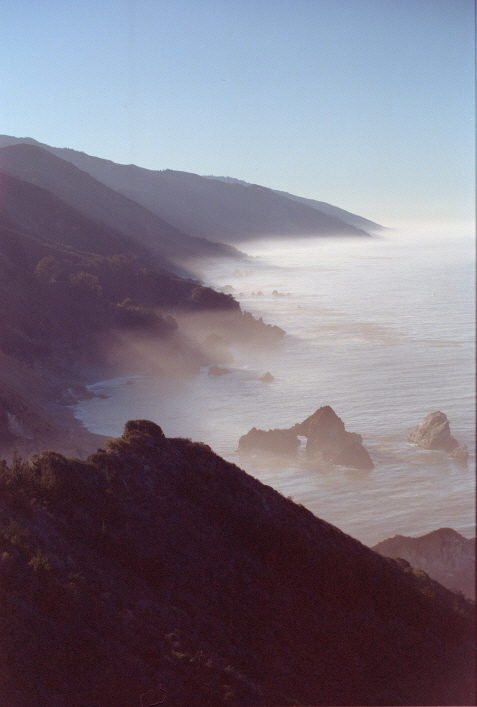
[[346, 216], [158, 563], [207, 208], [32, 214]]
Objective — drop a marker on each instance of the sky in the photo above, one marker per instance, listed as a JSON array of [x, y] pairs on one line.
[[364, 104]]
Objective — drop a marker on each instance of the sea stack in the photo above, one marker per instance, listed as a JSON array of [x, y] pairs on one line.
[[328, 440], [433, 432]]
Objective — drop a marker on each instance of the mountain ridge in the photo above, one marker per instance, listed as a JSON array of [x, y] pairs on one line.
[[329, 209], [96, 200], [76, 297], [226, 213]]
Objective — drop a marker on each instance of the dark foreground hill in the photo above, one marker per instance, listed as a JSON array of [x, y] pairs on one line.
[[158, 563], [223, 211]]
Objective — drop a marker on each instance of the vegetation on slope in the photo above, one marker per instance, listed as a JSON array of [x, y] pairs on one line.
[[157, 562]]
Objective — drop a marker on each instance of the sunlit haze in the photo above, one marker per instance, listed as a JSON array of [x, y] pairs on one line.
[[364, 104]]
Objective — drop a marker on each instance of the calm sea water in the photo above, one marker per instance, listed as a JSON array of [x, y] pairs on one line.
[[382, 330]]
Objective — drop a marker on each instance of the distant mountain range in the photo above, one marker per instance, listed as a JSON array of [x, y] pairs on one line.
[[219, 209], [80, 266], [132, 224]]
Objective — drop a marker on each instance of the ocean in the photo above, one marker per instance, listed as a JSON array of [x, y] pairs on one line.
[[383, 331]]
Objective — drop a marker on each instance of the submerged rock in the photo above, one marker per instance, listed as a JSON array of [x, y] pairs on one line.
[[461, 454], [267, 378], [433, 432], [218, 371]]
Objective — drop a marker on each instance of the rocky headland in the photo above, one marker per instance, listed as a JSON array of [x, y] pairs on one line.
[[327, 441], [444, 554]]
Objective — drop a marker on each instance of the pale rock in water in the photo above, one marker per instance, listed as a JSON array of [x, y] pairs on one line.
[[433, 432], [267, 378]]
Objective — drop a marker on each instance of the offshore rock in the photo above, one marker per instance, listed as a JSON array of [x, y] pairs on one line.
[[433, 432], [267, 378], [275, 441], [328, 440], [218, 371]]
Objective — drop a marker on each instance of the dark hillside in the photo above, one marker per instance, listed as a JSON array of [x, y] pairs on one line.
[[65, 279], [29, 211], [158, 563]]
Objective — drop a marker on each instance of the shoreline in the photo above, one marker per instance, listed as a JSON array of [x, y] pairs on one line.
[[69, 437], [73, 438]]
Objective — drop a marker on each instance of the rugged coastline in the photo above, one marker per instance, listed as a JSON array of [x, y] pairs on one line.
[[149, 560]]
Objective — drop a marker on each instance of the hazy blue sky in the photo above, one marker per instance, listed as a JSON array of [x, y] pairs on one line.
[[366, 104]]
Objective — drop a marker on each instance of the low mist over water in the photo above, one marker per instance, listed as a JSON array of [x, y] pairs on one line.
[[382, 330]]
